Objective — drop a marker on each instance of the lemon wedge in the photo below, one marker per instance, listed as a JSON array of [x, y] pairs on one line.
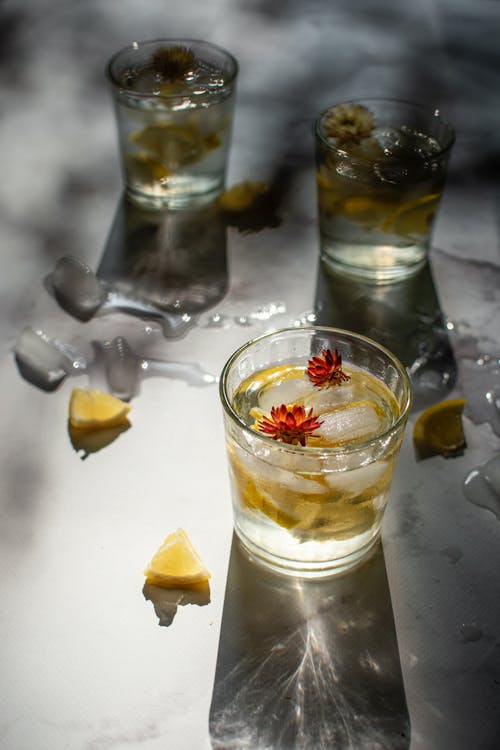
[[176, 563], [144, 168], [413, 218], [439, 430], [95, 410], [242, 196]]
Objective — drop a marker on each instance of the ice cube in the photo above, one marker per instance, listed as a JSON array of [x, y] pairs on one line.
[[359, 421], [41, 360], [76, 288], [265, 474], [290, 391], [121, 365], [326, 399], [356, 481]]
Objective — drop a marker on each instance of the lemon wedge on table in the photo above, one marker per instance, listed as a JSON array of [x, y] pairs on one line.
[[176, 563], [96, 410], [439, 430]]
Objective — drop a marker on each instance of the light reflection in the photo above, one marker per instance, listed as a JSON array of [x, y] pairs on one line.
[[307, 663]]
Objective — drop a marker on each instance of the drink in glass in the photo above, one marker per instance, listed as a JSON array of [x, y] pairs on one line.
[[174, 109], [314, 419], [381, 168]]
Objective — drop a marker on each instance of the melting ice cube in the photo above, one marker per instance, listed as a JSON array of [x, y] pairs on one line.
[[76, 288], [327, 399], [124, 368], [482, 486], [121, 366], [356, 481], [291, 391], [356, 422], [43, 361]]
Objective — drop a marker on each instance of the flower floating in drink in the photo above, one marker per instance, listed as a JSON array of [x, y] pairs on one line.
[[314, 418]]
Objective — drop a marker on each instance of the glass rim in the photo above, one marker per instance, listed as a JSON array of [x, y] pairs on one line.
[[135, 46], [348, 448], [434, 114]]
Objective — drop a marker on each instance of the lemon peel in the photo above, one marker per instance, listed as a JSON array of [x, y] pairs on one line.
[[176, 563], [439, 430]]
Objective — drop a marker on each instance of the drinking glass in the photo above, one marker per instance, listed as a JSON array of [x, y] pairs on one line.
[[174, 109], [381, 169], [310, 484]]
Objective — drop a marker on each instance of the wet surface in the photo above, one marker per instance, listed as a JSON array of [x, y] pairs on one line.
[[85, 663]]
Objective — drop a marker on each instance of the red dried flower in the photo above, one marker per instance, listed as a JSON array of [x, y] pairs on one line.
[[326, 370], [291, 424]]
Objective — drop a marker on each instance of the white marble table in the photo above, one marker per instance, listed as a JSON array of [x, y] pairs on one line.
[[85, 663]]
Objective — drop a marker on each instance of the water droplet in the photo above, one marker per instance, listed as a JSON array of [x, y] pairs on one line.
[[471, 632], [452, 553], [482, 486]]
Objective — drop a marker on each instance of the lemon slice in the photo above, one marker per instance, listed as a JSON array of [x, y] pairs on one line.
[[242, 196], [439, 430], [95, 410], [146, 169], [414, 218], [176, 563]]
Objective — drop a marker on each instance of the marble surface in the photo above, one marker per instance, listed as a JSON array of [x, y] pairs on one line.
[[88, 658]]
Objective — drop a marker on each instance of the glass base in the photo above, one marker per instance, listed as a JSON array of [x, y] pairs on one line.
[[184, 193], [309, 569], [378, 264]]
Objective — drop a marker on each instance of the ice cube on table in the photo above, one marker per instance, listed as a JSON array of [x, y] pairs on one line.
[[43, 361], [121, 365], [361, 420], [290, 391], [76, 288]]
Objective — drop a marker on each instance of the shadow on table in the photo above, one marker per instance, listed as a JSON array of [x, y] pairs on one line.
[[173, 260], [405, 317], [306, 663]]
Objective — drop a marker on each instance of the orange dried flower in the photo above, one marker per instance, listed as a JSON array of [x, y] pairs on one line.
[[326, 370], [290, 424]]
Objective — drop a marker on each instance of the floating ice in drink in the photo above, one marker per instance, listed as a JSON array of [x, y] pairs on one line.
[[174, 108], [311, 463], [381, 168]]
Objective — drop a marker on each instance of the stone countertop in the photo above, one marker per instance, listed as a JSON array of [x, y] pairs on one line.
[[89, 658]]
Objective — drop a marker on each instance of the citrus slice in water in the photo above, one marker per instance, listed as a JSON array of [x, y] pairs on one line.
[[241, 197], [144, 168], [176, 563], [414, 218], [439, 430], [95, 410]]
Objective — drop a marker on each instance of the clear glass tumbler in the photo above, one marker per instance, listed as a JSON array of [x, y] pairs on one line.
[[174, 102], [381, 169], [314, 419]]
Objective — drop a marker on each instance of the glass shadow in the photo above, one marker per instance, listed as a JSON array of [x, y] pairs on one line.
[[307, 663], [173, 260], [406, 317]]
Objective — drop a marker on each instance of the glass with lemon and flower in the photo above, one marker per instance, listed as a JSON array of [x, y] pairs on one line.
[[314, 419], [174, 107], [381, 169]]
